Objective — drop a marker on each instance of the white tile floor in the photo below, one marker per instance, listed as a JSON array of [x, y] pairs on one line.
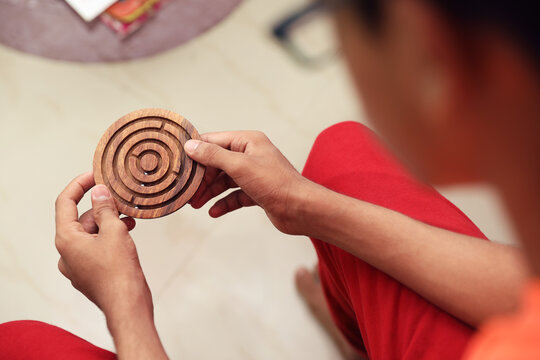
[[222, 288]]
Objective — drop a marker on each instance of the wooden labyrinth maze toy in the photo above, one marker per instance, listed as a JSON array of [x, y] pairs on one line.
[[141, 159]]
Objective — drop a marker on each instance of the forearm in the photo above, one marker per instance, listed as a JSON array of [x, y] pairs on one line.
[[470, 278], [132, 327]]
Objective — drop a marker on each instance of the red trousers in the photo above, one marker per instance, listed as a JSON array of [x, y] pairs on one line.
[[34, 340], [371, 309]]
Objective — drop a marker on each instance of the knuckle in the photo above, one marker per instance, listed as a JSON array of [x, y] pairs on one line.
[[57, 202], [75, 285], [260, 136], [98, 211], [130, 246], [101, 210], [119, 227], [60, 244], [212, 152], [239, 166], [61, 267], [115, 225]]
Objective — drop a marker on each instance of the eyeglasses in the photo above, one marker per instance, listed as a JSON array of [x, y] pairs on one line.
[[308, 34]]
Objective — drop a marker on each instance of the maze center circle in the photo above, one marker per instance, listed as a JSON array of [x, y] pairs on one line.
[[149, 162], [141, 159]]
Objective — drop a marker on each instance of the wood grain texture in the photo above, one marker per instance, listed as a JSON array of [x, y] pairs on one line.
[[141, 159]]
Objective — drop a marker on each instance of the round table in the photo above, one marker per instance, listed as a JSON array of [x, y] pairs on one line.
[[52, 29]]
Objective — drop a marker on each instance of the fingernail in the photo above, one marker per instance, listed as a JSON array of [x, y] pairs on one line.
[[191, 146], [100, 193]]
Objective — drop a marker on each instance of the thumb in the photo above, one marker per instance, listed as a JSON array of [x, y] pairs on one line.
[[213, 155], [103, 205]]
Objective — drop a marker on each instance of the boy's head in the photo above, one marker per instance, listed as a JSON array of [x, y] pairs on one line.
[[452, 84]]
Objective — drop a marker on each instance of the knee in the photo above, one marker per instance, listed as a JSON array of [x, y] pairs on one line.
[[335, 145], [20, 325], [340, 132], [16, 334], [24, 328], [28, 339]]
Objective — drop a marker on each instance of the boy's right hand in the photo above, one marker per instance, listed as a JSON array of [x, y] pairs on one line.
[[248, 160]]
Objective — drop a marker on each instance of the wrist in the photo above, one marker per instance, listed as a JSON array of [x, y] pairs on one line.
[[127, 299], [321, 212], [302, 205], [127, 312], [131, 324]]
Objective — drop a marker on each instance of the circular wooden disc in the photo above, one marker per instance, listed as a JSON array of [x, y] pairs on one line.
[[141, 159]]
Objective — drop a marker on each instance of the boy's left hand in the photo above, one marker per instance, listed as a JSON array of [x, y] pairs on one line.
[[97, 253]]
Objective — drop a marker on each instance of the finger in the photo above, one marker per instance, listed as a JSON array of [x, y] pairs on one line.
[[214, 155], [130, 222], [233, 140], [209, 175], [221, 183], [231, 202], [88, 222], [224, 139], [62, 267], [105, 212], [66, 203]]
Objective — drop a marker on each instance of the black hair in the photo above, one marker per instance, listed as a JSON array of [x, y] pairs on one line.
[[517, 18], [370, 11]]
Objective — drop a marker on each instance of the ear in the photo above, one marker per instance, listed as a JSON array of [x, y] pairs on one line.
[[433, 70], [435, 65]]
